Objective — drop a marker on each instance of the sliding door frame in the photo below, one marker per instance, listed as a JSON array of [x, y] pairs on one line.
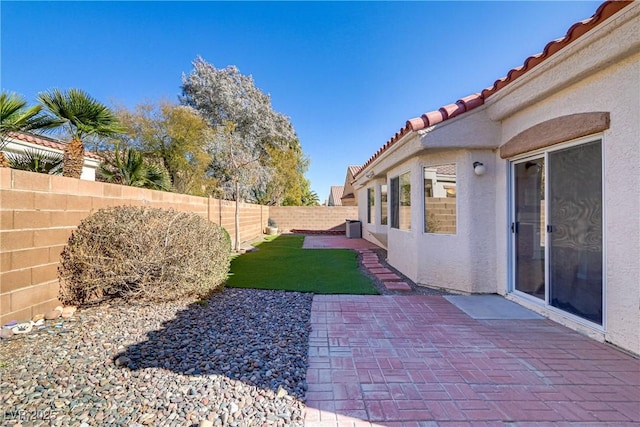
[[511, 267]]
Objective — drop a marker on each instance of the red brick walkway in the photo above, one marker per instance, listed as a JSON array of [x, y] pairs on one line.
[[336, 242], [420, 361]]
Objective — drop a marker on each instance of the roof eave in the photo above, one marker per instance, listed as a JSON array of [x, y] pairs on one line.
[[577, 30], [369, 171]]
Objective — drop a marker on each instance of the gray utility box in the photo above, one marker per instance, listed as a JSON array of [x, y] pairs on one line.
[[354, 229]]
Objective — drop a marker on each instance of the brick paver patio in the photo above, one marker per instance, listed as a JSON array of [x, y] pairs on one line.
[[420, 361]]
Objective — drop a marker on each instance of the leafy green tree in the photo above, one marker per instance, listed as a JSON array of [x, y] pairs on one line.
[[177, 137], [286, 186], [80, 115], [130, 168], [15, 116]]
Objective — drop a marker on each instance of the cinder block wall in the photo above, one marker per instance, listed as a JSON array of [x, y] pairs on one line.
[[38, 212], [312, 217], [253, 218], [442, 211]]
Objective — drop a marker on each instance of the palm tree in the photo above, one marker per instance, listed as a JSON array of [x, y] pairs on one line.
[[130, 168], [310, 198], [82, 116], [16, 117], [37, 161]]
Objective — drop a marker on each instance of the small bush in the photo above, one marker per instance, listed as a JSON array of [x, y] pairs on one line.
[[143, 253]]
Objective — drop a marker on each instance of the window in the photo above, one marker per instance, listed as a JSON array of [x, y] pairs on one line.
[[370, 205], [395, 205], [440, 213], [383, 204], [401, 202]]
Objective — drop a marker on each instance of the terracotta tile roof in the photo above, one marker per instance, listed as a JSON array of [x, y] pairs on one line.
[[336, 194], [446, 170], [45, 141], [577, 30], [354, 169]]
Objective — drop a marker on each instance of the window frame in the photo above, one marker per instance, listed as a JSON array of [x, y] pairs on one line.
[[432, 189], [371, 202], [396, 201], [384, 205]]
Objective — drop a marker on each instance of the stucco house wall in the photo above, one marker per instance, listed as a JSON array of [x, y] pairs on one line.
[[600, 73], [373, 231], [403, 244], [461, 261], [594, 76]]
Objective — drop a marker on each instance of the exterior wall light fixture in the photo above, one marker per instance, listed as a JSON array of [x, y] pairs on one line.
[[479, 169], [369, 174]]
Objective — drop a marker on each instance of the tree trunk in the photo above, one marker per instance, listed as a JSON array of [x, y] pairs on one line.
[[73, 158], [237, 245], [4, 163]]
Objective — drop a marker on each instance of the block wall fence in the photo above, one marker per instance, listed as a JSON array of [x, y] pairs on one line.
[[312, 217], [38, 212]]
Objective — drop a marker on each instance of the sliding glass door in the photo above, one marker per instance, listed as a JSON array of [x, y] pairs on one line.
[[529, 227], [575, 230], [557, 229]]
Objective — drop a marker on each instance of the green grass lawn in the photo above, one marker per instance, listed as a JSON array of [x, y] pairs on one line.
[[281, 263]]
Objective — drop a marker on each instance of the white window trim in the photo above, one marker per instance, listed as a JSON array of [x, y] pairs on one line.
[[424, 201], [390, 207]]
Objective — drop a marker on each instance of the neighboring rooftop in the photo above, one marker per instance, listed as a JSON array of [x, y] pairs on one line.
[[335, 196], [446, 170], [354, 169], [577, 30], [48, 142], [348, 196]]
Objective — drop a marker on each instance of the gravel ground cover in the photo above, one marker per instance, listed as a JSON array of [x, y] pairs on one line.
[[236, 359]]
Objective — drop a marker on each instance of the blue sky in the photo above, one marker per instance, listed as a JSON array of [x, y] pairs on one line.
[[349, 74]]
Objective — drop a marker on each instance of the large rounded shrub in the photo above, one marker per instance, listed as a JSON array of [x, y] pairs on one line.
[[143, 253]]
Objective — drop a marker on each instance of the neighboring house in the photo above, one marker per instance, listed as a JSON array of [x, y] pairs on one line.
[[529, 189], [335, 195], [344, 195], [18, 143], [348, 194]]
